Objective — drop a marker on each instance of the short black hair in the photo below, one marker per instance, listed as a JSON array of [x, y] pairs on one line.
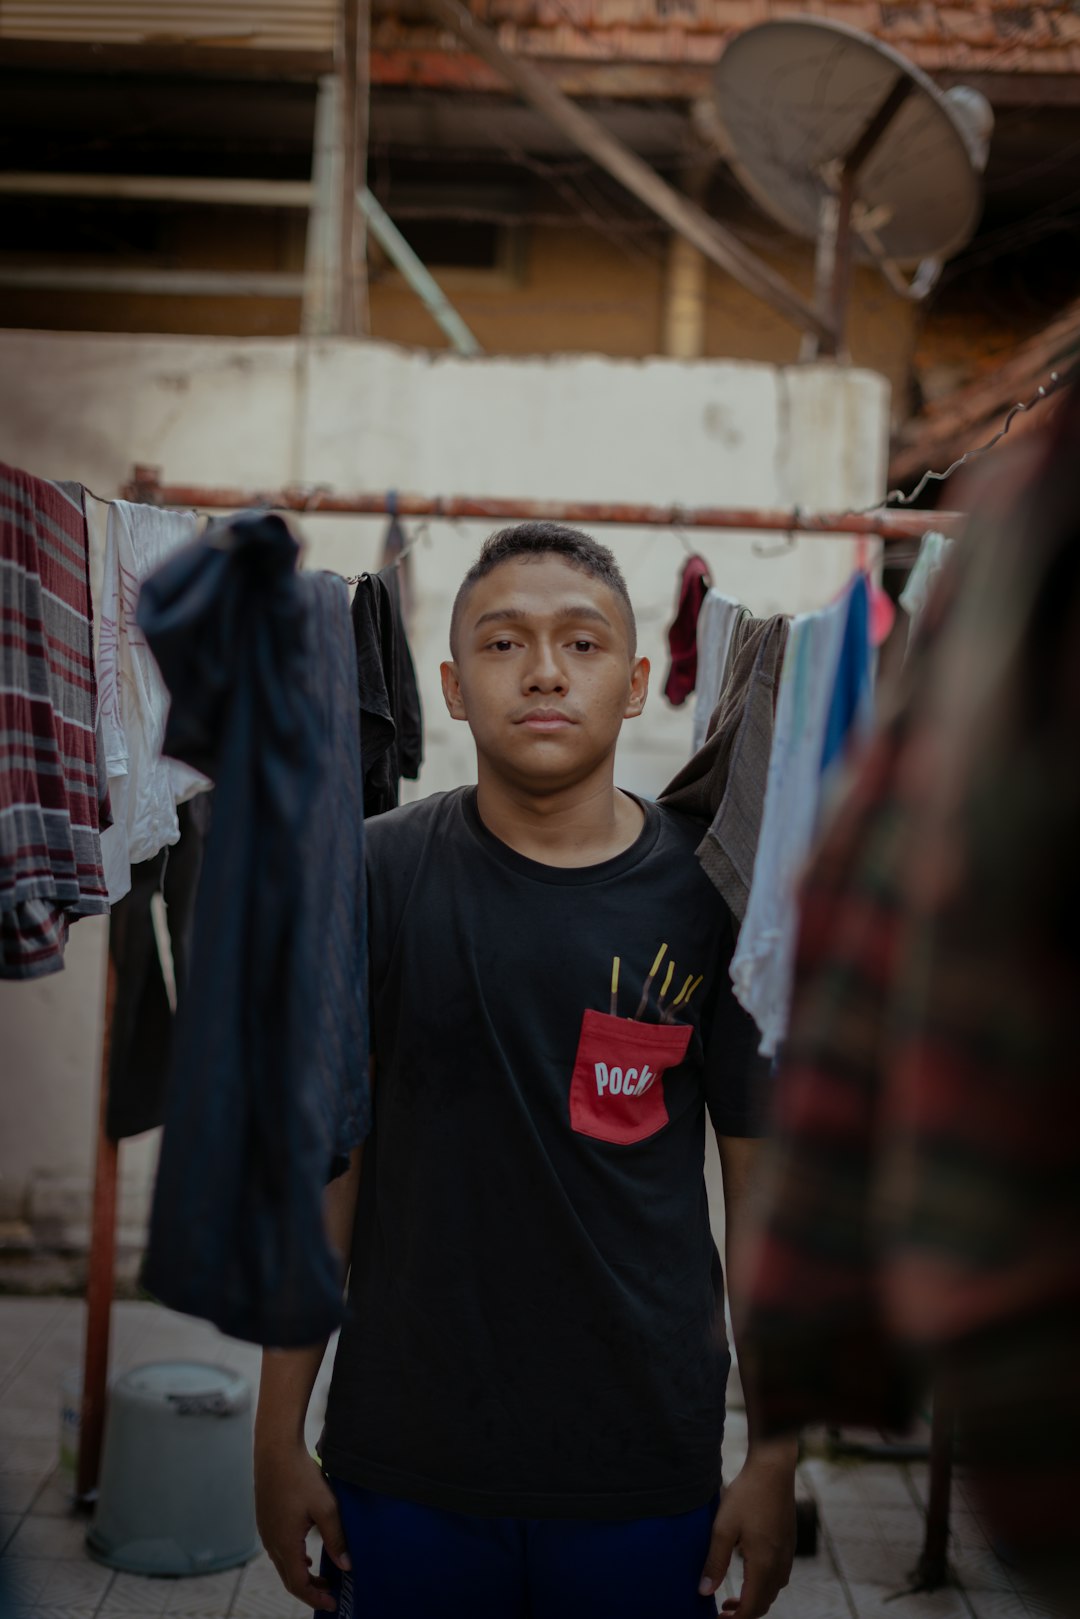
[[539, 539]]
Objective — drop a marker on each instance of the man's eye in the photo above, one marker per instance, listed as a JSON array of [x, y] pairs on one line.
[[500, 646], [584, 646]]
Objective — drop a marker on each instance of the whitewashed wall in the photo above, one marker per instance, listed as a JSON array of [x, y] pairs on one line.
[[369, 416]]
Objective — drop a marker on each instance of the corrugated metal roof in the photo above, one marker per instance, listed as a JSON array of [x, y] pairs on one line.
[[294, 25]]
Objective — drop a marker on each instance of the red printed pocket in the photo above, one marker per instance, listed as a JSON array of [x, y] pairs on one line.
[[617, 1092]]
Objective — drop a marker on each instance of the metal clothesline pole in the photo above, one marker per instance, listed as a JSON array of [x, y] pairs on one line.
[[146, 486]]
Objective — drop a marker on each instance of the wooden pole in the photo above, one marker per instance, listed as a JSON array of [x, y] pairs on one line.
[[100, 1278], [419, 277], [355, 52], [321, 313], [686, 283], [684, 216]]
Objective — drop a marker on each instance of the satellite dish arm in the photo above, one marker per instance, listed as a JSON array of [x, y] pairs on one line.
[[922, 283]]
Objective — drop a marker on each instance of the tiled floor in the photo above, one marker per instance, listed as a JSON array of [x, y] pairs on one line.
[[871, 1513]]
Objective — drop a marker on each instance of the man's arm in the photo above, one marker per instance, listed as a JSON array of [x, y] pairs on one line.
[[291, 1495], [757, 1513]]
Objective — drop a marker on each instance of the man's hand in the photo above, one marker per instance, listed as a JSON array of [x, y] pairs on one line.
[[291, 1499], [757, 1517]]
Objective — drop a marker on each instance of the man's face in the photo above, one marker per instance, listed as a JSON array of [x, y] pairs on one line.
[[543, 672]]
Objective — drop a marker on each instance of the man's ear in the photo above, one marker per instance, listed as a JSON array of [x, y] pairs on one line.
[[639, 688], [451, 689]]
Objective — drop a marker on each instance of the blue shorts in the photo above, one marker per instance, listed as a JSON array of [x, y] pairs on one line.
[[413, 1562]]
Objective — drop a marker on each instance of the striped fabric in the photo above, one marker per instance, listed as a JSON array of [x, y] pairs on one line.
[[50, 850]]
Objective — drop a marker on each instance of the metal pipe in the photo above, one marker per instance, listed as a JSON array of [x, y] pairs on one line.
[[100, 1277], [146, 486], [418, 276]]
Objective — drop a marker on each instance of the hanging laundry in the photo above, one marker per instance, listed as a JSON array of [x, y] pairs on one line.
[[724, 782], [50, 796], [850, 714], [717, 624], [682, 636], [141, 1036], [391, 727], [396, 549], [933, 550], [269, 1081], [144, 787], [763, 965], [924, 1215]]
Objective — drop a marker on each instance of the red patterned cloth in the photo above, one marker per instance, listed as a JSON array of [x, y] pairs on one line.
[[50, 850], [682, 636]]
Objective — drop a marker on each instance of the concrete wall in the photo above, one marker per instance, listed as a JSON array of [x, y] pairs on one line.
[[260, 413], [572, 291]]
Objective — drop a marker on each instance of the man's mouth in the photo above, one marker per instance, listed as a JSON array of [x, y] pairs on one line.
[[545, 719]]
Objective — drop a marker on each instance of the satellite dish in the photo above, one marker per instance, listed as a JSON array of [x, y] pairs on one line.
[[839, 138]]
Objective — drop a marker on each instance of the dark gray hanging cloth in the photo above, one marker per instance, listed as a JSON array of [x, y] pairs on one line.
[[391, 726], [140, 1046], [269, 1081], [724, 782]]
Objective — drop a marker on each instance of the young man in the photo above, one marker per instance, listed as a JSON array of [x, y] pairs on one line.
[[528, 1396]]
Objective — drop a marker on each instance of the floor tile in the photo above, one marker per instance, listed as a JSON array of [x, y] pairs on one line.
[[868, 1562], [829, 1602], [880, 1525], [60, 1583], [879, 1602], [258, 1602], [17, 1490], [857, 1483], [27, 1421], [56, 1497], [261, 1595], [203, 1594], [62, 1538], [25, 1580], [967, 1530], [980, 1570], [32, 1455], [51, 1611], [814, 1578], [132, 1594], [1006, 1605]]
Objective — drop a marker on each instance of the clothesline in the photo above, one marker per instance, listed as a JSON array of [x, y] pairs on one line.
[[146, 486]]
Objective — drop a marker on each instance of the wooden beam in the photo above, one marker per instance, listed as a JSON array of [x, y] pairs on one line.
[[418, 276], [231, 193], [170, 61], [158, 283], [353, 73], [691, 221]]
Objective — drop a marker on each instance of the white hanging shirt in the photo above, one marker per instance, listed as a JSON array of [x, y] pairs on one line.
[[715, 629], [763, 967], [133, 703]]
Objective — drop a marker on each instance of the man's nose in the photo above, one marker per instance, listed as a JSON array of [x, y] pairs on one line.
[[545, 672]]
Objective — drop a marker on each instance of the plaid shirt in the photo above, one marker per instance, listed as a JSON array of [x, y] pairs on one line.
[[924, 1204]]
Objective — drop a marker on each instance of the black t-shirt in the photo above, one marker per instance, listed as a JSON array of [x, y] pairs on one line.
[[536, 1303]]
